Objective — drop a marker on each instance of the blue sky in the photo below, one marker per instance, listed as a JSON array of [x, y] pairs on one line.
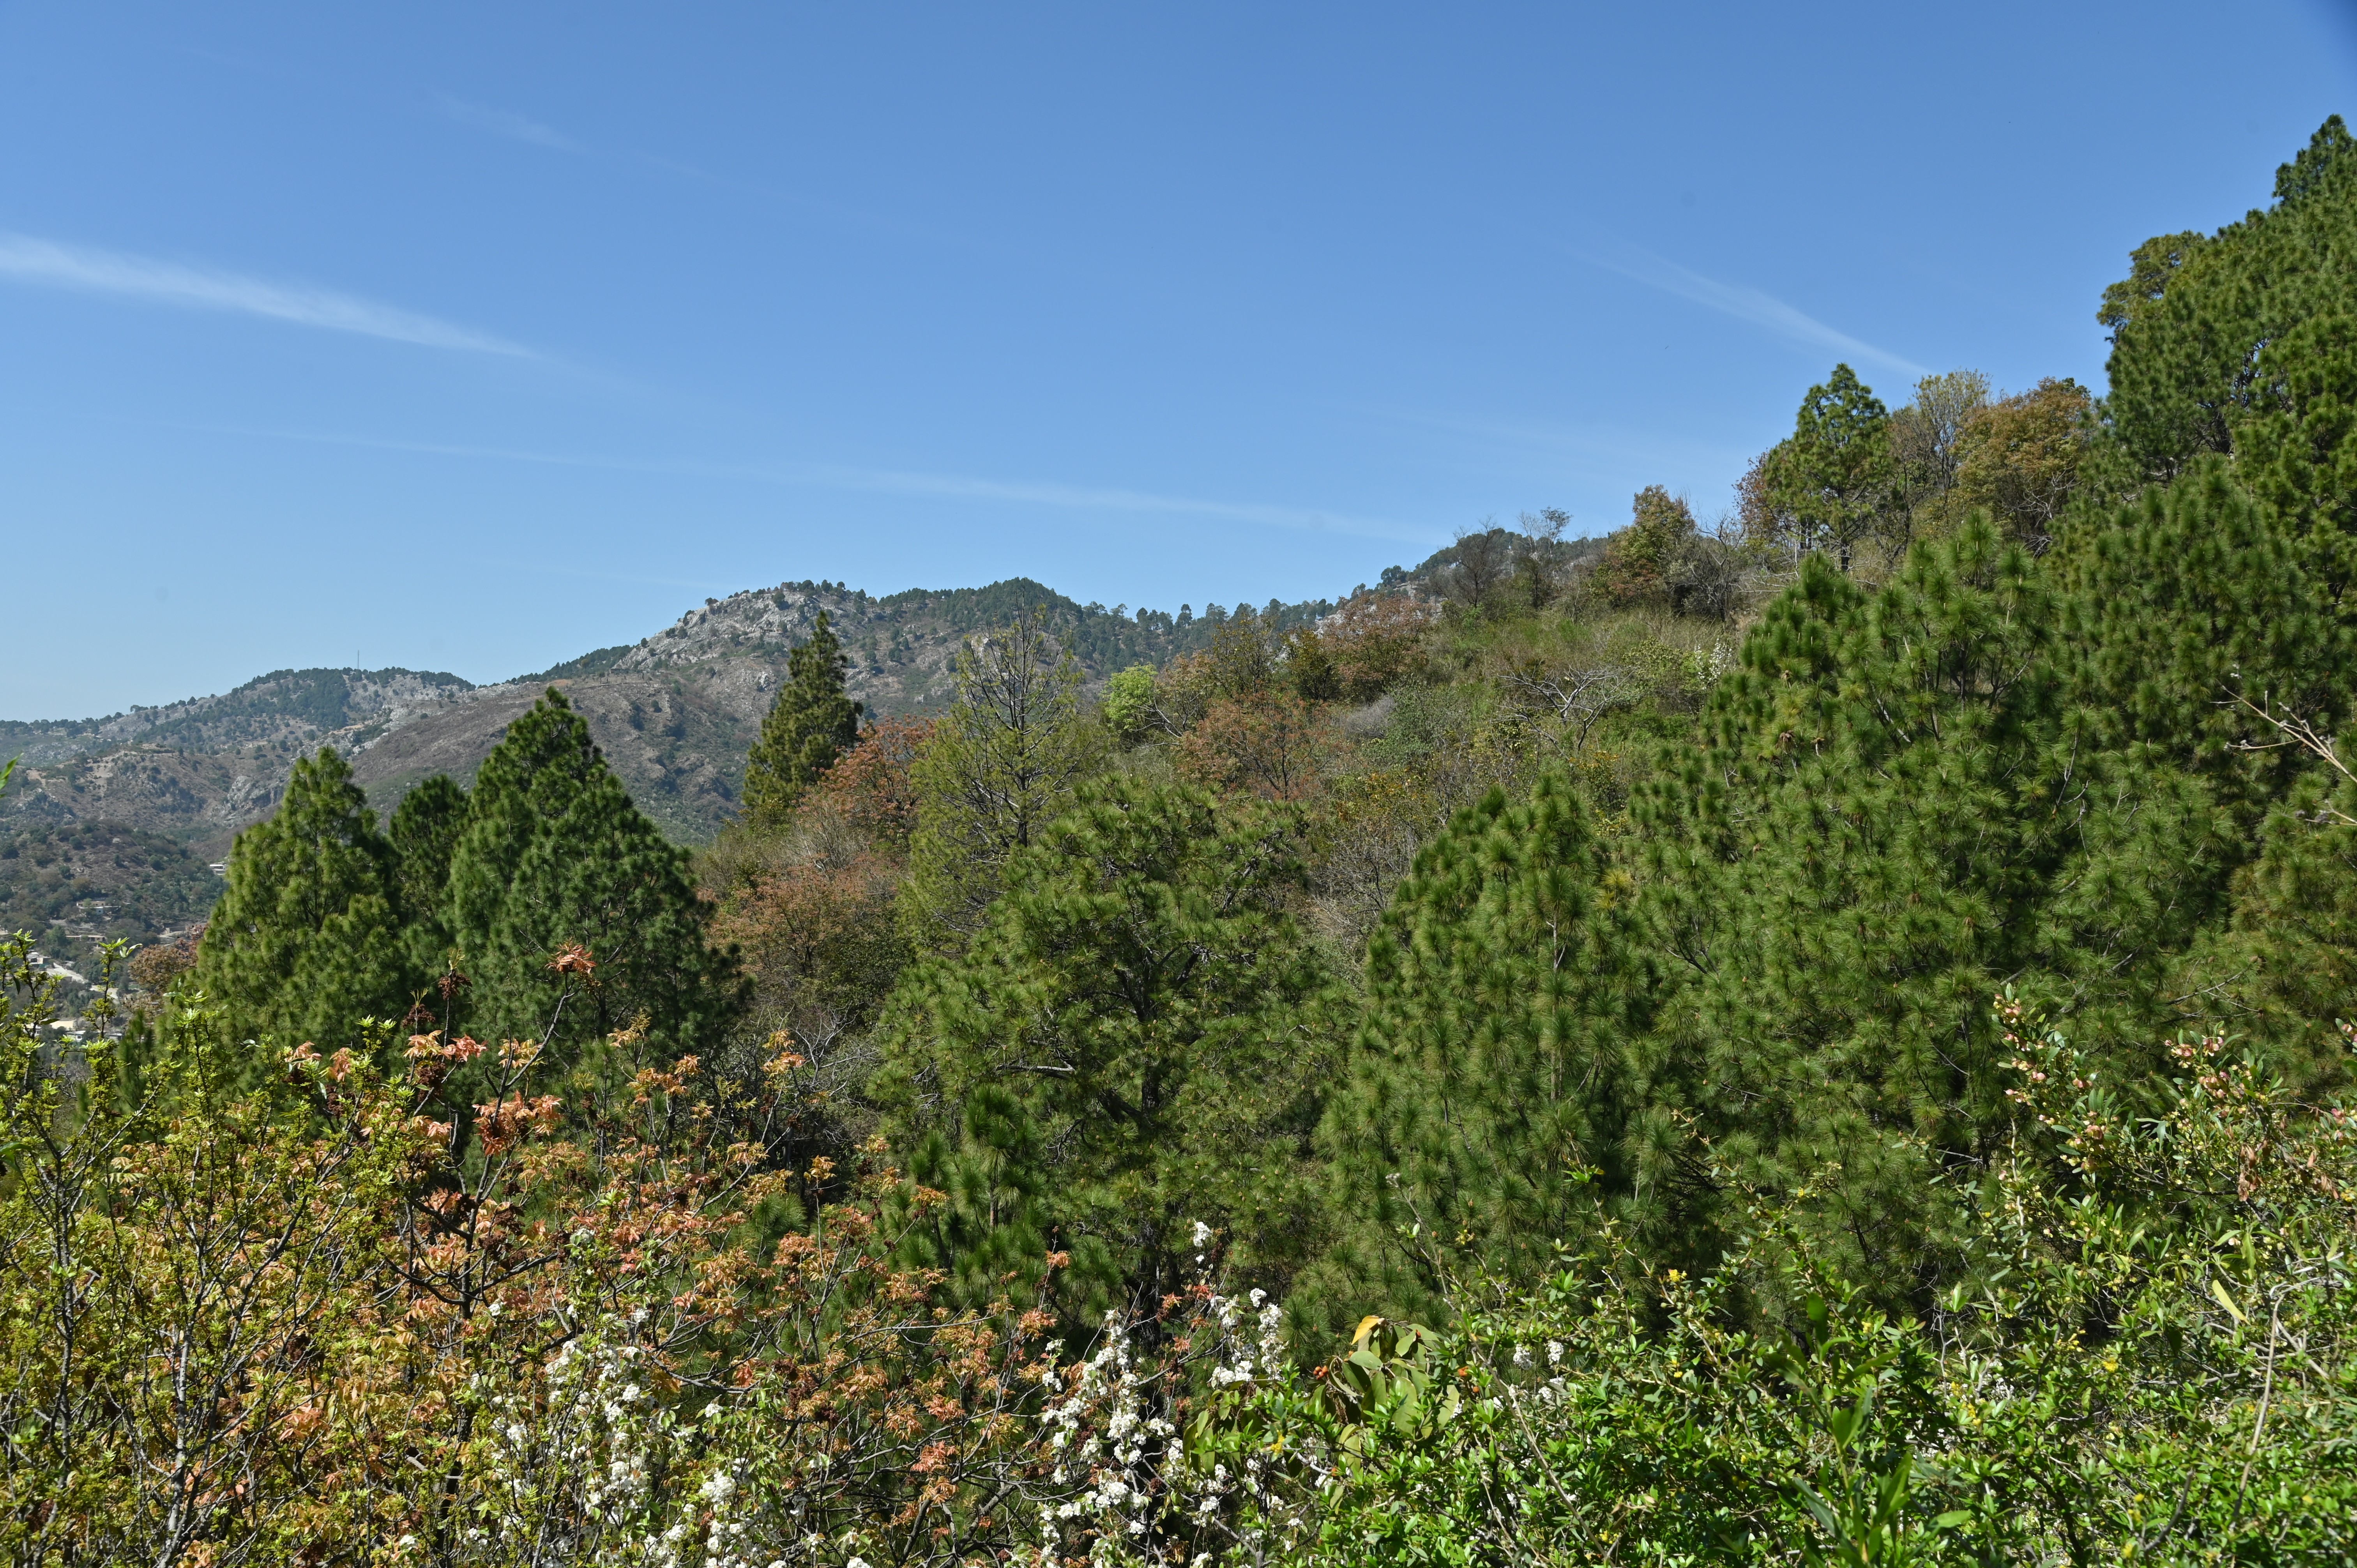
[[473, 336]]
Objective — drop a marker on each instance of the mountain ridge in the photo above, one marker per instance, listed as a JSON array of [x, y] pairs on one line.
[[674, 713]]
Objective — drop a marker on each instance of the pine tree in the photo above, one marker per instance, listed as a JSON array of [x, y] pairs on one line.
[[1489, 1090], [1894, 809], [999, 767], [423, 833], [990, 1230], [2212, 333], [305, 940], [2188, 597], [1834, 478], [1896, 812], [553, 855], [2279, 974], [1143, 995], [811, 724], [2232, 576]]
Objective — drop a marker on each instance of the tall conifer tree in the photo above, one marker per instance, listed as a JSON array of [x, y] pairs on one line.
[[424, 834], [2188, 595], [306, 942], [1835, 477], [555, 855], [1490, 1091], [999, 767], [1154, 1013], [2237, 342], [1894, 810], [1897, 810], [811, 724]]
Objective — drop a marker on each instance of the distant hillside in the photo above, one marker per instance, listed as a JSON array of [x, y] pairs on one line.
[[273, 708], [675, 713], [93, 881]]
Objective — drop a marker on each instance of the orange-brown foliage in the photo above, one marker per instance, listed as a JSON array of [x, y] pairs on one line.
[[818, 939], [1376, 641], [1275, 746], [155, 967], [870, 786]]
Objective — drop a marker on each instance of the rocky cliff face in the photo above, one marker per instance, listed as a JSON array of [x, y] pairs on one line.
[[675, 714]]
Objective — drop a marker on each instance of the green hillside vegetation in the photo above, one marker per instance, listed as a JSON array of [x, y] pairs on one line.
[[1818, 1034], [676, 714], [94, 882]]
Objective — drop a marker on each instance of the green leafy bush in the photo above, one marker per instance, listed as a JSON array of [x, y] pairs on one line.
[[2155, 1359]]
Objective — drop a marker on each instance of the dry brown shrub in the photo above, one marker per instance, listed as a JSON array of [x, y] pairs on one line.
[[869, 786], [156, 966], [1376, 641], [1275, 746]]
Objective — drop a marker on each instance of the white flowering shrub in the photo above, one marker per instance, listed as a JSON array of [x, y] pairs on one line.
[[573, 1466]]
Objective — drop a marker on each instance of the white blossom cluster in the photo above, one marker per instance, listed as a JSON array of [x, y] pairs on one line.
[[1103, 1437], [594, 1473], [591, 1471], [576, 1462], [1135, 1484]]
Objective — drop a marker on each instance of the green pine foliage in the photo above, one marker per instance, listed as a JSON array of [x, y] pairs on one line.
[[811, 724], [1834, 479], [1894, 812], [996, 771], [554, 856], [1152, 1009], [2155, 1367], [1893, 809], [988, 1232], [2188, 597], [465, 905], [2214, 335], [1489, 1085], [2282, 970], [306, 942], [424, 835]]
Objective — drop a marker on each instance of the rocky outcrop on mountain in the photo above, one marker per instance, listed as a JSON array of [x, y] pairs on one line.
[[287, 706], [675, 714]]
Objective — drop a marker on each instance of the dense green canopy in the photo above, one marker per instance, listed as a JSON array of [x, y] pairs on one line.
[[555, 855], [305, 940], [327, 922], [1141, 998]]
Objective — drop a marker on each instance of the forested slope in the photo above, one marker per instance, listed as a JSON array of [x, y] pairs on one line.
[[1820, 1036], [676, 711]]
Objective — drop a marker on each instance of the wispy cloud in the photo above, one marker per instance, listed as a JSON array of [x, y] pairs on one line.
[[1745, 304], [1603, 448], [503, 123], [820, 475], [30, 260], [1048, 493]]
